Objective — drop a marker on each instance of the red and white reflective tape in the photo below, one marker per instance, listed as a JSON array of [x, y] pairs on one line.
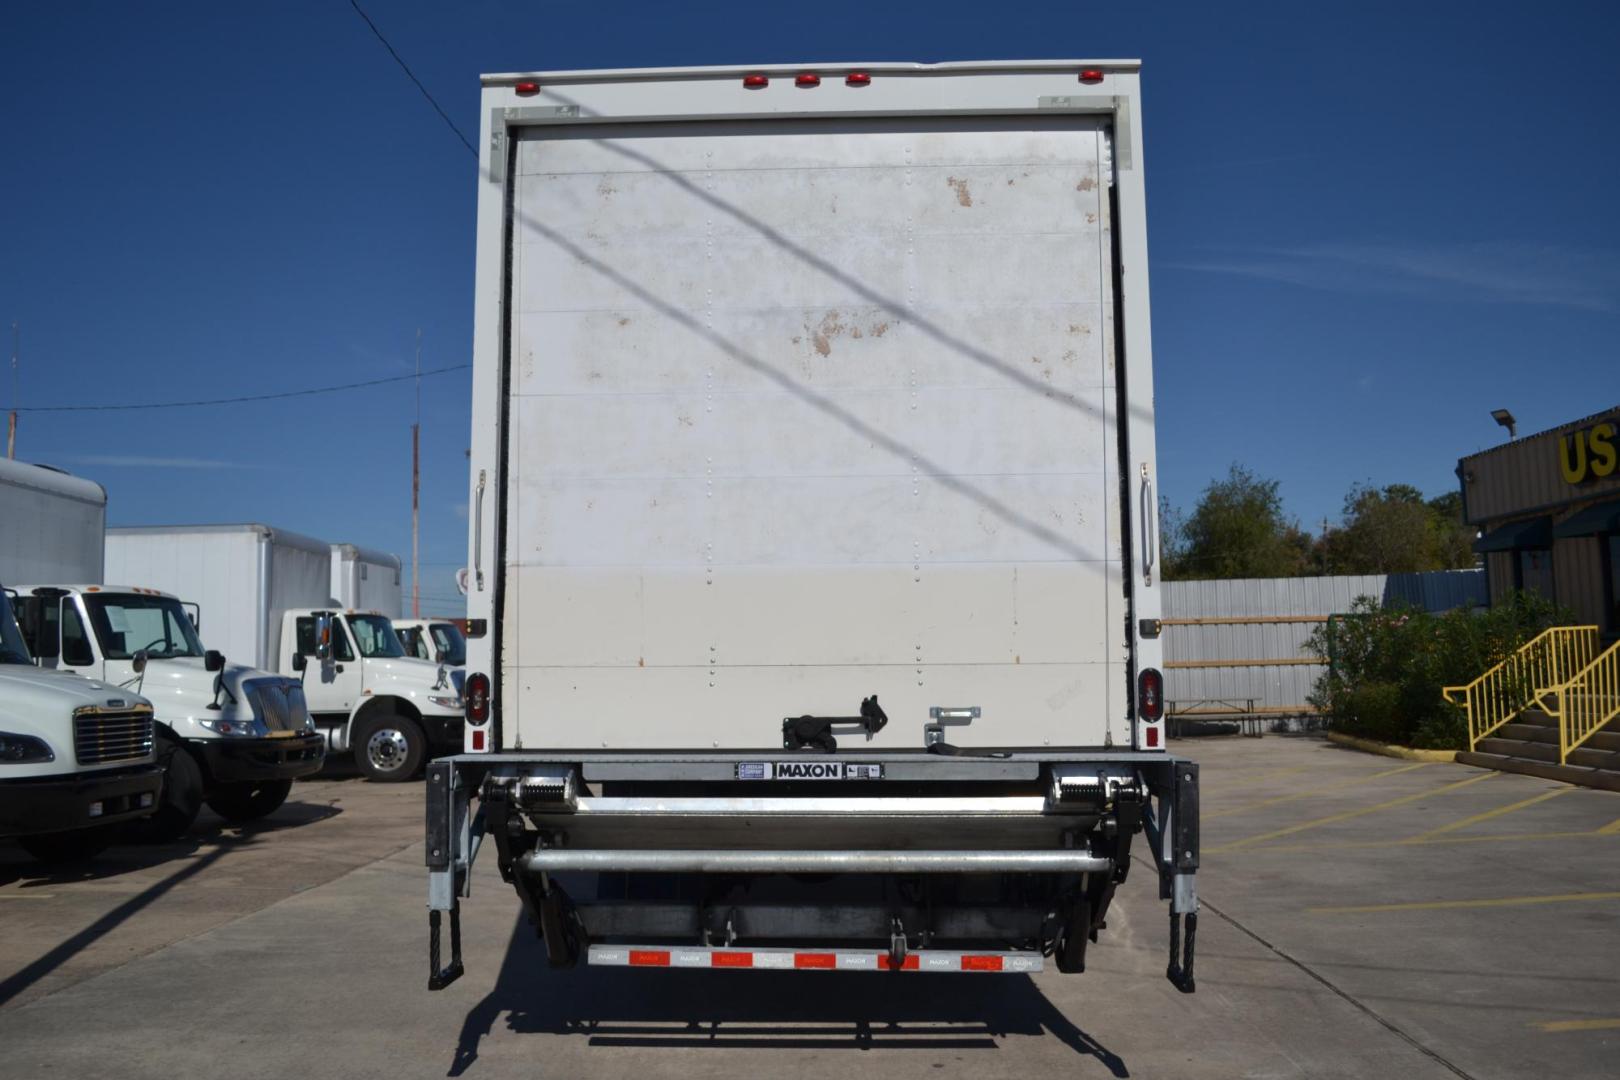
[[810, 959]]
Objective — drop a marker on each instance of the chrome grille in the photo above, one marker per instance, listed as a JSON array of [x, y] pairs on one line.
[[103, 737], [279, 703]]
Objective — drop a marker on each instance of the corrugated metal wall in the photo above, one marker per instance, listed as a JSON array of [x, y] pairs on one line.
[[1211, 624]]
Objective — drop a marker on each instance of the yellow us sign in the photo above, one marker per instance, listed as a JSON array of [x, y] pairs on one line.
[[1589, 453]]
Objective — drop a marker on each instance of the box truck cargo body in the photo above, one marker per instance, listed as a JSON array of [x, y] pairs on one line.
[[812, 514], [241, 577], [365, 579], [53, 525]]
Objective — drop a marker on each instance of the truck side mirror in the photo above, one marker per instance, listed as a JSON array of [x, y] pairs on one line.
[[214, 660], [323, 637], [137, 663], [300, 662]]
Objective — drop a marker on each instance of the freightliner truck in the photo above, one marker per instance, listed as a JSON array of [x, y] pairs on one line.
[[813, 592]]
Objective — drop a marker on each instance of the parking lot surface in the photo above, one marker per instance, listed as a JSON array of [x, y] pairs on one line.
[[1364, 917]]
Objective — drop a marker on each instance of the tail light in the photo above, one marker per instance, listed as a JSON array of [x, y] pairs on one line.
[[1149, 695], [476, 691]]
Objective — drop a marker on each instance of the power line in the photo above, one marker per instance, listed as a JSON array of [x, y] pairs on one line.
[[406, 68], [246, 398]]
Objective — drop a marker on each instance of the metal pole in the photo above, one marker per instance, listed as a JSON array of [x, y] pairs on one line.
[[11, 424], [416, 486]]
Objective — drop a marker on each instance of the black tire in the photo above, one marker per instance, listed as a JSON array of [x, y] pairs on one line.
[[182, 796], [248, 800], [68, 847], [389, 748]]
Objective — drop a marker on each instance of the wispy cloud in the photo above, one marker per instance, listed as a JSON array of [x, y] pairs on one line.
[[127, 461], [1484, 272]]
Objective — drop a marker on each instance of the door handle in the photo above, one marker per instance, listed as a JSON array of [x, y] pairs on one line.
[[1149, 526], [338, 668], [478, 533]]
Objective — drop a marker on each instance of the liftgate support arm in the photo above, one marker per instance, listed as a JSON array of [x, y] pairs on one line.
[[1175, 842], [445, 811]]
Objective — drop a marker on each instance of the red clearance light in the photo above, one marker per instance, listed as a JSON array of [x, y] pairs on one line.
[[1150, 695], [755, 82], [1091, 75], [857, 78], [476, 693], [528, 88], [807, 79]]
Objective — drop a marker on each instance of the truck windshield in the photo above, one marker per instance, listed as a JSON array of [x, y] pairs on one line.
[[447, 638], [127, 623], [12, 649], [375, 637]]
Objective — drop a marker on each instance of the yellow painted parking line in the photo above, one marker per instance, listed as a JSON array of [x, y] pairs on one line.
[[1446, 905], [1349, 814], [1418, 841], [1315, 791], [1610, 829], [1580, 1025], [1498, 812]]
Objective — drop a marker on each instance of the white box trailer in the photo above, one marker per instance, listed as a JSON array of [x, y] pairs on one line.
[[241, 577], [52, 525], [365, 579], [797, 389]]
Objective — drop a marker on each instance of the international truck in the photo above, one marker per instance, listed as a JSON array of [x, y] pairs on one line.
[[227, 734], [263, 597], [439, 640], [76, 754], [813, 605]]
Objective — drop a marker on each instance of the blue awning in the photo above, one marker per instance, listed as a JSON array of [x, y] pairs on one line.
[[1517, 535], [1604, 517]]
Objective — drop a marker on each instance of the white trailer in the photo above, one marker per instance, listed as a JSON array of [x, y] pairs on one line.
[[365, 579], [241, 577], [53, 527], [798, 388]]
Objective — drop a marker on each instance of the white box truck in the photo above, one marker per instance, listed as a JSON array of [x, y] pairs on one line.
[[264, 597], [798, 390], [76, 754]]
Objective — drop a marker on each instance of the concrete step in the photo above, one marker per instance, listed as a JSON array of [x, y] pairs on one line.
[[1521, 748], [1532, 733], [1606, 779]]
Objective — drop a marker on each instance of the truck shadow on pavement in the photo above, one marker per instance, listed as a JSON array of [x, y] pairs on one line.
[[764, 1010]]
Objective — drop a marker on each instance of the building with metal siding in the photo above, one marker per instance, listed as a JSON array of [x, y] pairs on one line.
[[1548, 510]]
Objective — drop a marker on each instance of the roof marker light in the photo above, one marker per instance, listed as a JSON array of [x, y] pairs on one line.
[[807, 79], [755, 82], [857, 78], [527, 88], [1091, 75]]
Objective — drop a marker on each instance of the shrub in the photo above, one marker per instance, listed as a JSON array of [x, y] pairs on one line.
[[1386, 666]]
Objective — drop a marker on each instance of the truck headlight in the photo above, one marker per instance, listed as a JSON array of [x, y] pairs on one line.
[[23, 749], [248, 728], [452, 703]]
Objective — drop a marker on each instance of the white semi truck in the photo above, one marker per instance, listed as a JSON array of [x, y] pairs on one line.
[[76, 754], [433, 639], [798, 390], [264, 597]]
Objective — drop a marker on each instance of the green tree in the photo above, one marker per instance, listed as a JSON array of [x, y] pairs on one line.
[[1393, 529], [1237, 530]]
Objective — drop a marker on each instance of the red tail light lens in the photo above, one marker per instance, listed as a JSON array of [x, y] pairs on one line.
[[807, 79], [755, 82], [528, 88], [1091, 75], [476, 692], [1150, 695], [857, 78]]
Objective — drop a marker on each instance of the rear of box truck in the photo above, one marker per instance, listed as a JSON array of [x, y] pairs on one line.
[[813, 513]]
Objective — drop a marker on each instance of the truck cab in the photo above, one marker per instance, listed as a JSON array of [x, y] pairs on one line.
[[367, 695], [228, 735], [433, 639], [76, 755]]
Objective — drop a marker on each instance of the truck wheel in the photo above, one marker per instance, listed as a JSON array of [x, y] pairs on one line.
[[182, 796], [248, 800], [389, 748], [74, 846]]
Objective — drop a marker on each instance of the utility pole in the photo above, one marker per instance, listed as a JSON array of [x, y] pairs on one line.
[[11, 423], [416, 485]]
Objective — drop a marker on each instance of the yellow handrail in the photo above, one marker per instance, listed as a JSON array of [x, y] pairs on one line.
[[1550, 659], [1586, 702]]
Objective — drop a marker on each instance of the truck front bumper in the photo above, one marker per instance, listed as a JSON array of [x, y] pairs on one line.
[[230, 760], [54, 804], [443, 730]]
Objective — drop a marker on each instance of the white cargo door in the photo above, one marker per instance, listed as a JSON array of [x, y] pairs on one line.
[[809, 411]]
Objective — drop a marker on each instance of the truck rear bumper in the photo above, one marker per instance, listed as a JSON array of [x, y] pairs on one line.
[[697, 861], [231, 760], [59, 804]]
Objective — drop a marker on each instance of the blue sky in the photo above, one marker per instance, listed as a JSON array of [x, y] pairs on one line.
[[1370, 224]]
